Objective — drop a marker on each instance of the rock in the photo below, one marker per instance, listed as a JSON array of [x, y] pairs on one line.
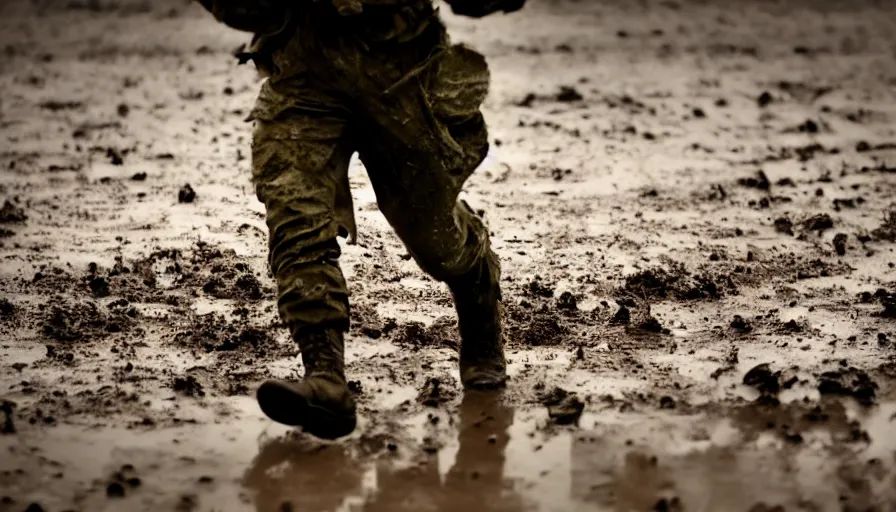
[[764, 99]]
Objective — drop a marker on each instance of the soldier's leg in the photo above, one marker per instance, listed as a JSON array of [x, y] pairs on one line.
[[300, 165], [450, 243]]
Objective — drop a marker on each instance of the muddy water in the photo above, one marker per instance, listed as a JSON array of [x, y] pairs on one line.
[[693, 205], [485, 455]]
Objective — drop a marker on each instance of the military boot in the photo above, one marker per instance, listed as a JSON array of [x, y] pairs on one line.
[[477, 298], [321, 403]]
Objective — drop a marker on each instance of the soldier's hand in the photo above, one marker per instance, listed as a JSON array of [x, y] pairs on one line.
[[482, 8]]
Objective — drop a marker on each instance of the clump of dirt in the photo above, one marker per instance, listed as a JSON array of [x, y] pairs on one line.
[[541, 327], [214, 333], [819, 223], [564, 407], [186, 194], [848, 381], [623, 316], [674, 282], [740, 324], [7, 310], [568, 301], [818, 268], [222, 274], [784, 225], [123, 479], [770, 382], [537, 288], [434, 393], [759, 181], [188, 386], [367, 321], [763, 379], [887, 230], [12, 213], [86, 320], [8, 409], [886, 298], [649, 323], [839, 243], [441, 333]]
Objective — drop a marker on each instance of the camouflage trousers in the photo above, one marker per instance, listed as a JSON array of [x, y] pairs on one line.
[[411, 112]]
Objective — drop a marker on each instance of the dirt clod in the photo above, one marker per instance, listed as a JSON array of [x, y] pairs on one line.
[[849, 381], [740, 324], [564, 408], [8, 410], [12, 213], [759, 180], [188, 386], [568, 94], [115, 490], [763, 379], [186, 194], [784, 225], [567, 301], [434, 393], [887, 230], [820, 222], [74, 321], [840, 243]]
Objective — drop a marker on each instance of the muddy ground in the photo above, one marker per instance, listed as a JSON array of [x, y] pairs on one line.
[[693, 202]]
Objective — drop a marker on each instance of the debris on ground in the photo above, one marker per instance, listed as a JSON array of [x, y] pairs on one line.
[[848, 381], [564, 408], [186, 194]]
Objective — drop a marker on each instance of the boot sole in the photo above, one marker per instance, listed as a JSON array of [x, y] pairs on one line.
[[284, 405]]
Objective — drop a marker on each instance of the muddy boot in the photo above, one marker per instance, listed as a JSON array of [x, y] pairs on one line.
[[477, 297], [321, 403]]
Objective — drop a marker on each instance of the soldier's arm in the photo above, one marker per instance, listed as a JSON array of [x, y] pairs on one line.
[[482, 8]]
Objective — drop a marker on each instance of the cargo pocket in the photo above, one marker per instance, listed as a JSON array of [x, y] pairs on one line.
[[455, 94]]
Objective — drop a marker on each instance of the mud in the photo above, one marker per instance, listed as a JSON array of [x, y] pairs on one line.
[[692, 202]]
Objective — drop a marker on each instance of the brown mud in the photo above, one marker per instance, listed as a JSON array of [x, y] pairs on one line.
[[694, 206]]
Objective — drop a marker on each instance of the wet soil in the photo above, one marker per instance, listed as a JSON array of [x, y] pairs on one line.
[[692, 201]]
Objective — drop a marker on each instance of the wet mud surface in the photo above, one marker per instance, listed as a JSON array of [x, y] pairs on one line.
[[693, 203]]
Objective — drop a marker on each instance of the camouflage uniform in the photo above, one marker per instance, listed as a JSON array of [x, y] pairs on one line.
[[380, 78], [385, 83]]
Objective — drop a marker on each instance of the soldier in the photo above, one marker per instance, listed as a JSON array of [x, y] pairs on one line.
[[380, 78]]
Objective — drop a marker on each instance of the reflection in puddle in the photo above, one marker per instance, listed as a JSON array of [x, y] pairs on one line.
[[496, 459]]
